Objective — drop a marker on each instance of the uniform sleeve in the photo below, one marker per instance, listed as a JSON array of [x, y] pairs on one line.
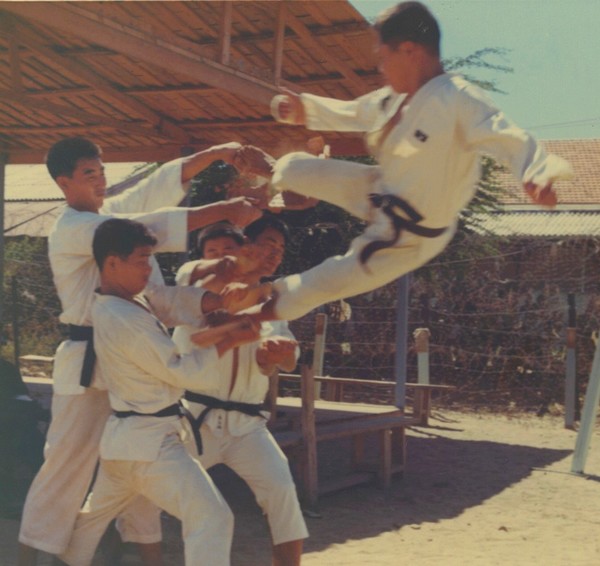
[[160, 189], [329, 114], [76, 232], [486, 129], [169, 225], [184, 273]]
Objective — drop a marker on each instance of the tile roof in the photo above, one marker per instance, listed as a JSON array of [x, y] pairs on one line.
[[584, 188]]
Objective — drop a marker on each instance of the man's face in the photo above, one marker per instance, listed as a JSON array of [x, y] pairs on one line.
[[218, 248], [85, 189], [133, 272], [273, 243], [395, 64]]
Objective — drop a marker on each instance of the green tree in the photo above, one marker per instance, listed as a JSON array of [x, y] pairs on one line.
[[32, 302]]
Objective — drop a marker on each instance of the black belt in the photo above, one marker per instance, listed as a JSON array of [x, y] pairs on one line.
[[254, 410], [85, 334], [387, 203], [171, 411]]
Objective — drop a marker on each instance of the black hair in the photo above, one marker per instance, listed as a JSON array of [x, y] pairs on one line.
[[254, 230], [409, 21], [63, 156], [218, 230], [120, 237]]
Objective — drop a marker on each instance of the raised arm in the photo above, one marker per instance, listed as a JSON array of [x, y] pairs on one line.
[[239, 211], [194, 164]]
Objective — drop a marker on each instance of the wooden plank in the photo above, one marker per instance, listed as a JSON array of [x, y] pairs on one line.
[[37, 359], [336, 430]]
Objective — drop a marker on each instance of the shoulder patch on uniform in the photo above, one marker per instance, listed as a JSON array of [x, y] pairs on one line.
[[421, 136]]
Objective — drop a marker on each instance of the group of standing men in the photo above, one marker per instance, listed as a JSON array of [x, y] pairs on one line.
[[426, 128]]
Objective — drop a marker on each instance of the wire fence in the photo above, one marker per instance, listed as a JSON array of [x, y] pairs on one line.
[[497, 321]]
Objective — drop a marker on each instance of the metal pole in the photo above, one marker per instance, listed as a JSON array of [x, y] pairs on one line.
[[3, 162], [588, 416], [16, 330], [401, 339], [570, 379]]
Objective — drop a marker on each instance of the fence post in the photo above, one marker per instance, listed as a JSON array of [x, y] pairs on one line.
[[402, 304], [15, 322], [570, 379], [319, 350], [421, 336]]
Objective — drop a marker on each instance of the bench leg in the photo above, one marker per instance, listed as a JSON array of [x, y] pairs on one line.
[[358, 450], [399, 447], [310, 476], [384, 475]]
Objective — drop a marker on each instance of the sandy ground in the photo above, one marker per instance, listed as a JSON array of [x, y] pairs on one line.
[[480, 489]]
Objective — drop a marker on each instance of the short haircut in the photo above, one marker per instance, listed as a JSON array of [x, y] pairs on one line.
[[218, 230], [120, 237], [409, 21], [63, 156], [254, 230]]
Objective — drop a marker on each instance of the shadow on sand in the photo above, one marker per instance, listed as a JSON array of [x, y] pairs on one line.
[[445, 477]]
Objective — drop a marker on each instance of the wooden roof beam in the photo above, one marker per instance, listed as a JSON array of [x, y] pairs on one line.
[[31, 41], [15, 65], [225, 33], [279, 41], [319, 49], [154, 51], [89, 118]]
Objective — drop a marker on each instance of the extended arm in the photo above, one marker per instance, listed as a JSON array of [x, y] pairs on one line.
[[488, 130]]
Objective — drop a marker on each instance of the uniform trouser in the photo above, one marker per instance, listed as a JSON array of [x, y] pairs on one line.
[[59, 489], [347, 185], [174, 482], [259, 461]]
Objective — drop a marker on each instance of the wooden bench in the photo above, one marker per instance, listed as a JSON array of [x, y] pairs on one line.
[[308, 422], [335, 389]]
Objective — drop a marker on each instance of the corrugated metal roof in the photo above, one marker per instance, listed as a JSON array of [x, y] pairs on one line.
[[30, 218], [541, 223], [34, 216], [32, 182]]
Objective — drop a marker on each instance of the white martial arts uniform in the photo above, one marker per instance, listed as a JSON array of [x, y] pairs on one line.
[[242, 441], [430, 158], [146, 455], [78, 413]]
